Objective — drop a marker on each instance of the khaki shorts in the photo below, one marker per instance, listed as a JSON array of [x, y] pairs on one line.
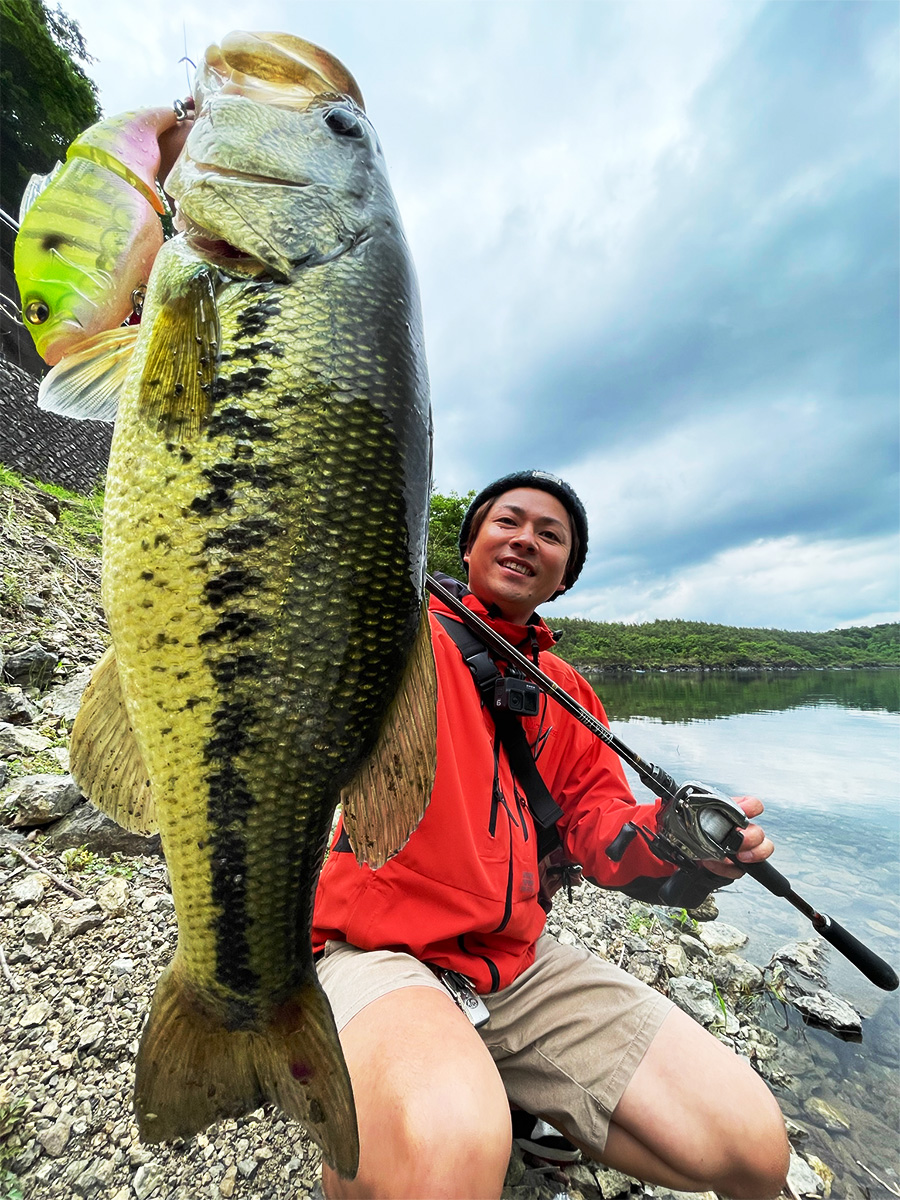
[[566, 1036]]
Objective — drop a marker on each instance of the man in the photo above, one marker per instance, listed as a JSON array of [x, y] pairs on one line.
[[613, 1064]]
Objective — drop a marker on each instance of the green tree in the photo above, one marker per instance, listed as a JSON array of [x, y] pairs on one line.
[[45, 96], [445, 517]]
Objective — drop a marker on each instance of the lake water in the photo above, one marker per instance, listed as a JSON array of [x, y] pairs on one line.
[[822, 750]]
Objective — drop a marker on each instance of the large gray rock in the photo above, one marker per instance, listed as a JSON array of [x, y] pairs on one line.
[[696, 998], [41, 800], [64, 701], [34, 667], [827, 1011], [737, 975], [15, 707], [720, 938], [87, 826], [17, 739]]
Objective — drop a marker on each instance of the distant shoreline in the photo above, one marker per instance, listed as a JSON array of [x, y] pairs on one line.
[[744, 669], [675, 645]]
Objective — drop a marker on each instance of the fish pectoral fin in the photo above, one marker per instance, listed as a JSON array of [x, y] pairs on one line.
[[87, 383], [192, 1070], [182, 357], [385, 801], [104, 757]]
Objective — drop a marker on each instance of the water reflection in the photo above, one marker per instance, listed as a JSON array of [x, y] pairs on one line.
[[698, 695], [822, 749]]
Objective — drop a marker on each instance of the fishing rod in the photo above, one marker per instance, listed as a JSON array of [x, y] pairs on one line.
[[695, 822]]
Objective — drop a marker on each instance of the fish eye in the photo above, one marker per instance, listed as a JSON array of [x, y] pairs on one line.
[[37, 312], [342, 121]]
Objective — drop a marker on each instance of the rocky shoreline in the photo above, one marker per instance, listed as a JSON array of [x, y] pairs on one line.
[[87, 923]]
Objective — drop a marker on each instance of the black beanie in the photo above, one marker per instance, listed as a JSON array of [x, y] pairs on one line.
[[545, 482]]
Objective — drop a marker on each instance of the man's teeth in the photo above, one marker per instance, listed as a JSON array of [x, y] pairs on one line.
[[519, 567]]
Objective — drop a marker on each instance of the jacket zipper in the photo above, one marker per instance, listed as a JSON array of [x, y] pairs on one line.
[[495, 974]]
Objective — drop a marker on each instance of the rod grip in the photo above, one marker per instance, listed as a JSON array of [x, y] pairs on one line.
[[866, 960], [765, 873]]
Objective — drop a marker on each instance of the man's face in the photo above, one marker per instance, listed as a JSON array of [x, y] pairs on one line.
[[518, 559]]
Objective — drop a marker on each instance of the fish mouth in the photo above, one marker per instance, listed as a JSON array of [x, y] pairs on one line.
[[221, 253], [515, 565]]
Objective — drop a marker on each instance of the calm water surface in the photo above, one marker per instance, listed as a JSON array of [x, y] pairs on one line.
[[822, 750]]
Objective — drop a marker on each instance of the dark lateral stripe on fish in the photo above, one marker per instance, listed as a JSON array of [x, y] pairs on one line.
[[234, 625], [240, 383], [253, 320], [253, 351], [231, 722], [230, 802], [261, 475], [233, 582], [249, 534], [223, 478], [228, 668], [235, 422]]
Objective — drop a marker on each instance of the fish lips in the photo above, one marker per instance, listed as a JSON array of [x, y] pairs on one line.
[[264, 225]]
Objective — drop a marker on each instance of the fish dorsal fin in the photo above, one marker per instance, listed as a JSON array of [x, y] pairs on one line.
[[87, 383], [104, 756], [386, 800], [33, 188], [182, 355]]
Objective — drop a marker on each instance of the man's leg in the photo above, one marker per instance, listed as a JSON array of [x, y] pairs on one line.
[[432, 1112], [695, 1116]]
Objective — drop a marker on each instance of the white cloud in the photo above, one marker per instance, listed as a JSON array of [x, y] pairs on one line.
[[783, 583]]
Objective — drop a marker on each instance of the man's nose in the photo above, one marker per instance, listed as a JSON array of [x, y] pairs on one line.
[[524, 536]]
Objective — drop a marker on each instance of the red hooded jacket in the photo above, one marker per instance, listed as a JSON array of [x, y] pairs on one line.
[[463, 892]]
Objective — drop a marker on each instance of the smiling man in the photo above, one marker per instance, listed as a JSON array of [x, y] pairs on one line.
[[451, 1000]]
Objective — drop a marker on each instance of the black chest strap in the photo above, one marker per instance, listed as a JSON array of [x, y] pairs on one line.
[[543, 807]]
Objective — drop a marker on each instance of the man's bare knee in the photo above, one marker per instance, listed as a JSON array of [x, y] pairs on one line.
[[761, 1159]]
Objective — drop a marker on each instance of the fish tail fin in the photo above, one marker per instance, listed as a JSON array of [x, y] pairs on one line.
[[192, 1070]]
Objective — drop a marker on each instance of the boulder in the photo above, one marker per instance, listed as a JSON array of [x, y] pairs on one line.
[[41, 800], [720, 938], [15, 707], [16, 740], [34, 667], [824, 1010], [87, 826], [64, 701]]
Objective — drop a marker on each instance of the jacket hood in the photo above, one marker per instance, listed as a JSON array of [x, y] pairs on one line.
[[535, 635]]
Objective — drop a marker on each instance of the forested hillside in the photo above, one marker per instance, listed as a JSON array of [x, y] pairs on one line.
[[672, 644]]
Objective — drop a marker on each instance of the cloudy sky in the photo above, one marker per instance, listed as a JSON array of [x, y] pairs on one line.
[[657, 243]]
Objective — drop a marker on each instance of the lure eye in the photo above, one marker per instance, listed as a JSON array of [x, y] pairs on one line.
[[343, 122], [37, 312]]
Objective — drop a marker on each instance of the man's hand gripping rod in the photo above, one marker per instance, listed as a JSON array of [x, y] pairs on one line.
[[695, 822]]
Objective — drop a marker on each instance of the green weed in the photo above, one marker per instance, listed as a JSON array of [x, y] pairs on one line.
[[721, 1001], [9, 478], [12, 1114], [640, 922], [81, 860]]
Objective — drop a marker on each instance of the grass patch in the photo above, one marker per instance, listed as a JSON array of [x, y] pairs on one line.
[[12, 1116], [82, 861], [81, 517], [9, 478]]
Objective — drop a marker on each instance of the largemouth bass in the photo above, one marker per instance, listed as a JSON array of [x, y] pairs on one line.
[[90, 231], [264, 538]]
